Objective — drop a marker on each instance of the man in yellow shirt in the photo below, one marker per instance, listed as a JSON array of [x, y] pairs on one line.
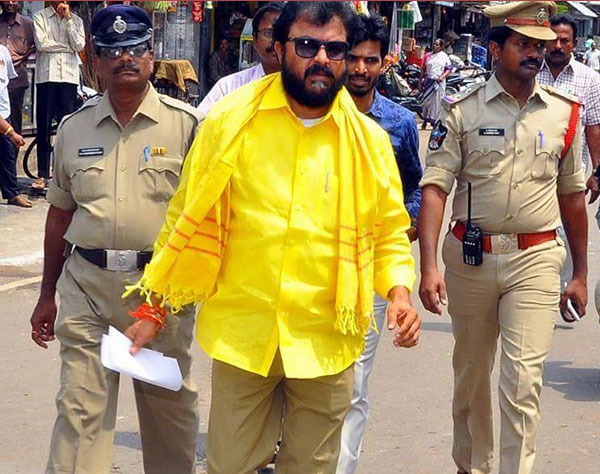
[[290, 212]]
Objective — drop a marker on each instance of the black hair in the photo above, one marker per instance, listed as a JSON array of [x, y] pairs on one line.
[[371, 28], [271, 7], [565, 19], [499, 34], [316, 13]]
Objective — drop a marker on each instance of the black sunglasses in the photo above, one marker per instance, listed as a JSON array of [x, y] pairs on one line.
[[136, 51], [310, 47]]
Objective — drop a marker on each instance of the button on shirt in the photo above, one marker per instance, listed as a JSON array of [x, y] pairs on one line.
[[57, 41], [119, 180], [7, 72], [18, 37], [512, 157], [277, 284], [401, 126], [583, 82]]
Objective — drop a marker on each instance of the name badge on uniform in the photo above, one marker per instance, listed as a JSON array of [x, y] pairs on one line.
[[491, 132], [92, 151]]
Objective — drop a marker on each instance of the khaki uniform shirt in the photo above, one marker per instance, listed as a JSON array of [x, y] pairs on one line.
[[510, 154], [119, 180]]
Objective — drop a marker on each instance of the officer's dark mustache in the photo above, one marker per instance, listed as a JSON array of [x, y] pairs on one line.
[[126, 67], [557, 52], [533, 62], [319, 69]]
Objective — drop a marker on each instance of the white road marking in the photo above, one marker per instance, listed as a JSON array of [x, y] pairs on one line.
[[23, 260], [17, 284]]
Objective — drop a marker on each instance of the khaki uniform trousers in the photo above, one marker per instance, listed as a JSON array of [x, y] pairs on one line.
[[90, 301], [247, 419], [515, 296]]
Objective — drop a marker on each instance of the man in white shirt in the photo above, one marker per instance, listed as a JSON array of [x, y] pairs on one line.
[[562, 71], [59, 36], [592, 58], [262, 37], [8, 137]]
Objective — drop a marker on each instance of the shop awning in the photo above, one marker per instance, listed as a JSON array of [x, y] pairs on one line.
[[583, 10]]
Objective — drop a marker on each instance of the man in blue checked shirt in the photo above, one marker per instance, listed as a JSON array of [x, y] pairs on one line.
[[364, 62]]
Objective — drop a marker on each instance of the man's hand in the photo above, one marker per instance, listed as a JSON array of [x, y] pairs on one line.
[[577, 291], [64, 10], [412, 233], [17, 139], [403, 317], [432, 291], [141, 333], [42, 322], [592, 188]]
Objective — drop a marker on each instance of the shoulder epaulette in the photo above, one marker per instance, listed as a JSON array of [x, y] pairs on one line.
[[557, 92], [450, 101], [86, 105], [178, 104]]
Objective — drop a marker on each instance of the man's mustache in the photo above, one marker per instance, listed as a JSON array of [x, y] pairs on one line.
[[319, 69], [358, 76], [557, 52], [534, 62], [126, 67]]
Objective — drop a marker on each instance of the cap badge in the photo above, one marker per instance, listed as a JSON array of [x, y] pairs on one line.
[[119, 25], [542, 16]]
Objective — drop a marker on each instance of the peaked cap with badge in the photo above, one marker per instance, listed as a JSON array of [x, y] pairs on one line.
[[530, 19], [121, 25]]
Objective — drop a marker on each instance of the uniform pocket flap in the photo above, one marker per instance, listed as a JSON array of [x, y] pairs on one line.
[[162, 163], [87, 164], [486, 144], [549, 146]]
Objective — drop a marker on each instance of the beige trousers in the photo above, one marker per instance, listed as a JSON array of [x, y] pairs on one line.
[[246, 420], [516, 297], [90, 301]]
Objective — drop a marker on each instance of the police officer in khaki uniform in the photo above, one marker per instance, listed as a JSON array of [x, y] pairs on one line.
[[519, 144], [118, 162]]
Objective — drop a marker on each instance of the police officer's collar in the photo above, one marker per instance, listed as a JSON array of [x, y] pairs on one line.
[[493, 89], [150, 107]]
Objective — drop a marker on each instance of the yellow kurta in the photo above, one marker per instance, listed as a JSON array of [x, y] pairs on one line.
[[277, 285]]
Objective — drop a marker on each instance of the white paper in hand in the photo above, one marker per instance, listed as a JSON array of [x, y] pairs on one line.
[[147, 365]]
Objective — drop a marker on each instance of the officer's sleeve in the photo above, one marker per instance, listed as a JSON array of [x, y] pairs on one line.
[[570, 171], [444, 159], [394, 264], [59, 191]]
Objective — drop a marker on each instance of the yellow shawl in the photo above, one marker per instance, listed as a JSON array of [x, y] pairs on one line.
[[189, 250]]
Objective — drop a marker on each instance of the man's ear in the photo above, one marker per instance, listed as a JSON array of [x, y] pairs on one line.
[[278, 47], [495, 50]]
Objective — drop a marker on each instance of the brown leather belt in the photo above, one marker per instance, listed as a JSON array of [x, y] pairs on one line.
[[503, 241]]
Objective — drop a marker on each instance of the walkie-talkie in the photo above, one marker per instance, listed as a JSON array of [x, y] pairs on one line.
[[473, 238]]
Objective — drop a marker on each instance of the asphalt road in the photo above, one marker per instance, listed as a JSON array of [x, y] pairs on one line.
[[411, 390]]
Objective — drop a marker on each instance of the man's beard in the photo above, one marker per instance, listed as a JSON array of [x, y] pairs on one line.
[[295, 86]]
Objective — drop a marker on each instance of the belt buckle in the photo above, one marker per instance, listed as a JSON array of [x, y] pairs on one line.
[[121, 260], [503, 244]]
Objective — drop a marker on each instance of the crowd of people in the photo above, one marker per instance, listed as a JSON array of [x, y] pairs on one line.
[[278, 219], [56, 36]]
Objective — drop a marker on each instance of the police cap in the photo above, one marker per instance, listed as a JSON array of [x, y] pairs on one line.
[[121, 25], [531, 19]]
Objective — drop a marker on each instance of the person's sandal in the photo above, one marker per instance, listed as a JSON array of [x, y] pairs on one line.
[[20, 201], [39, 184]]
